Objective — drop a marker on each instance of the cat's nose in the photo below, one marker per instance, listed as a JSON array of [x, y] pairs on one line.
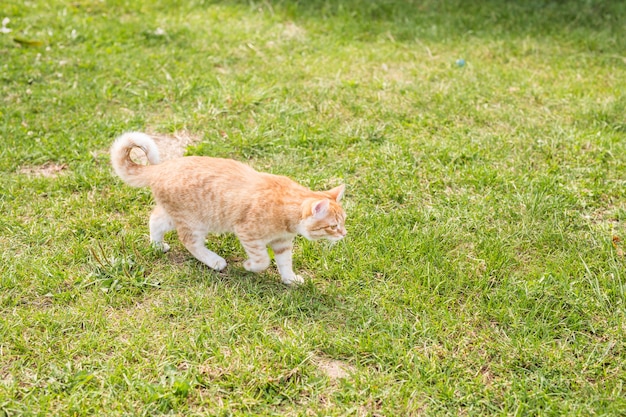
[[343, 232]]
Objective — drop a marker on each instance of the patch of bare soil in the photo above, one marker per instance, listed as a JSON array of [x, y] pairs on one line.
[[333, 368], [48, 170], [170, 147], [292, 31]]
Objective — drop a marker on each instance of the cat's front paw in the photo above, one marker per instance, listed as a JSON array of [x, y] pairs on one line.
[[252, 266], [218, 264], [293, 280], [221, 264]]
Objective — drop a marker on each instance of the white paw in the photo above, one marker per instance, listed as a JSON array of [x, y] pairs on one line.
[[252, 266], [161, 246], [293, 280], [218, 264]]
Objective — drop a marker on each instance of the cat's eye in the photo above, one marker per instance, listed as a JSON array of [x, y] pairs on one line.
[[333, 227]]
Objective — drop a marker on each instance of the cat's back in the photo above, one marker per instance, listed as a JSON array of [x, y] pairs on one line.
[[192, 169], [221, 178]]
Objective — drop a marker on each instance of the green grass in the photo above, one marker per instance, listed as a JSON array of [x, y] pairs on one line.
[[484, 270]]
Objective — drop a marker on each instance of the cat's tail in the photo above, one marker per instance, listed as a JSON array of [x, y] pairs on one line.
[[129, 171]]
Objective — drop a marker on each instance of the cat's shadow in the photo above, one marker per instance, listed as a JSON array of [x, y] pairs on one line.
[[308, 300]]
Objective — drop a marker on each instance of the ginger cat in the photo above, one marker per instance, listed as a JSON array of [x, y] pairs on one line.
[[199, 195]]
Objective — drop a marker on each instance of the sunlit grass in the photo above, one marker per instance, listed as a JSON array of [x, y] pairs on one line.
[[483, 272]]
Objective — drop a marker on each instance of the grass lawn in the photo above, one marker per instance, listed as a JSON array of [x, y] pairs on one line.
[[484, 268]]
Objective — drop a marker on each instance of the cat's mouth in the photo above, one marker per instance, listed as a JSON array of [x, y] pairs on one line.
[[336, 239]]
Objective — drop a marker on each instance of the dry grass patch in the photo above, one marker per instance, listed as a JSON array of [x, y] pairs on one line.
[[170, 147], [292, 31], [48, 170], [334, 368]]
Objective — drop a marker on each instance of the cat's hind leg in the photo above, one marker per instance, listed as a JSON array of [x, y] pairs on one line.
[[258, 258], [160, 223], [193, 239]]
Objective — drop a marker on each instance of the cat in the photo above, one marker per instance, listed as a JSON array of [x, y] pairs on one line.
[[197, 195]]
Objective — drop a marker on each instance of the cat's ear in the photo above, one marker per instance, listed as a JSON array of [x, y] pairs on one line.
[[337, 192], [320, 208]]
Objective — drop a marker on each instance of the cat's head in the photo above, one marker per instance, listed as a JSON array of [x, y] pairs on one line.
[[323, 218]]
